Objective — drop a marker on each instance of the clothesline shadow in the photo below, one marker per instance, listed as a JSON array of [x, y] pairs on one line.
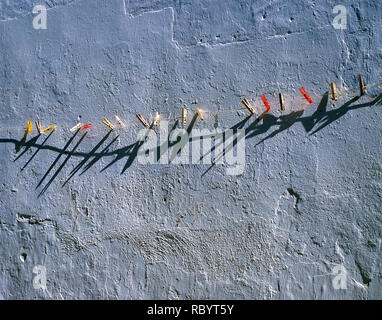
[[69, 155], [320, 119]]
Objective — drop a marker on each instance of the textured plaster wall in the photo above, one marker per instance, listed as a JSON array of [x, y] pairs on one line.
[[307, 200]]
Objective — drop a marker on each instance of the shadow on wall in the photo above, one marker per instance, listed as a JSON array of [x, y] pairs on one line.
[[312, 124]]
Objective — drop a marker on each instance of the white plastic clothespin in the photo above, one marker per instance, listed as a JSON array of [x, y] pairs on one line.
[[119, 121], [77, 126]]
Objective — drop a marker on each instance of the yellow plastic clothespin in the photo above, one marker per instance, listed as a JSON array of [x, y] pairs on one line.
[[248, 106], [38, 126], [184, 115], [141, 119], [108, 123], [77, 126], [333, 91], [199, 112], [361, 85], [52, 127], [119, 121], [156, 119], [281, 100], [29, 126]]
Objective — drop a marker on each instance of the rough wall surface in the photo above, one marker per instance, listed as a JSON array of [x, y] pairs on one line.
[[309, 198]]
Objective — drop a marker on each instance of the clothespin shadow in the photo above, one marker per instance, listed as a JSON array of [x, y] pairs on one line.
[[19, 145], [239, 125], [309, 122], [134, 151], [192, 123], [37, 150], [160, 150], [171, 144], [285, 122], [27, 145], [87, 157], [335, 114], [255, 129], [130, 152], [63, 164], [97, 157], [58, 158]]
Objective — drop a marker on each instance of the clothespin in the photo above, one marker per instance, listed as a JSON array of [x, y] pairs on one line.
[[38, 126], [52, 127], [248, 106], [77, 126], [184, 115], [361, 85], [305, 94], [281, 100], [142, 120], [108, 123], [29, 126], [85, 126], [199, 112], [333, 91], [119, 121], [266, 103], [156, 119]]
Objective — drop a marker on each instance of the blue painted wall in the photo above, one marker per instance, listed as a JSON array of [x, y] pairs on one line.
[[308, 200]]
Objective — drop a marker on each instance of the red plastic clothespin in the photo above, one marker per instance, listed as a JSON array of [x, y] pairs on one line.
[[305, 94], [266, 103], [85, 126]]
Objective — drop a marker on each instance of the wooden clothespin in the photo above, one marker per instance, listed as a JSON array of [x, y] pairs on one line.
[[248, 106], [199, 112], [77, 126], [142, 120], [361, 85], [52, 127], [266, 103], [156, 119], [38, 126], [119, 121], [281, 100], [184, 115], [333, 91], [29, 126], [108, 123]]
